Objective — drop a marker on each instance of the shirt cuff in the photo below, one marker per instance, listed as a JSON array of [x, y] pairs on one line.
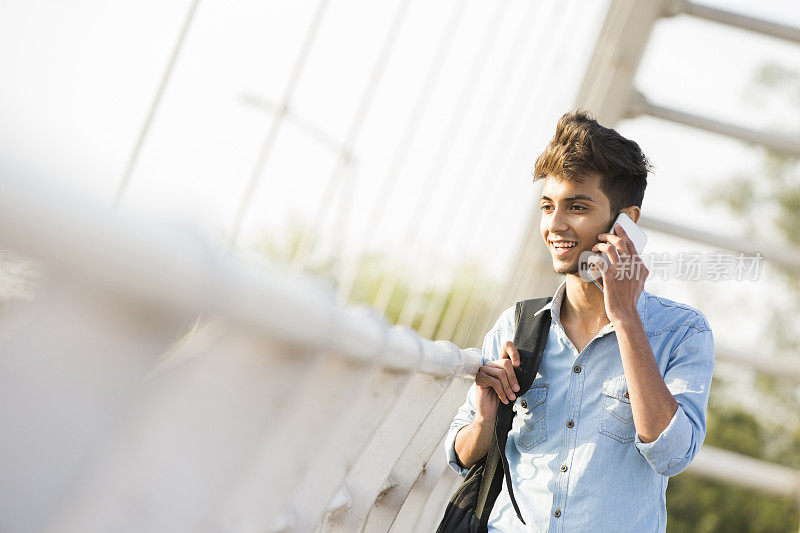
[[450, 449], [671, 446]]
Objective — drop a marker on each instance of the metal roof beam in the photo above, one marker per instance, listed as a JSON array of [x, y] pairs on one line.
[[784, 256], [639, 105], [764, 27], [737, 469]]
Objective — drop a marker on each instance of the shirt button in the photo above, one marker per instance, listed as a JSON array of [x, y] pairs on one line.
[[563, 468], [576, 368], [524, 404], [626, 394], [570, 423], [557, 513]]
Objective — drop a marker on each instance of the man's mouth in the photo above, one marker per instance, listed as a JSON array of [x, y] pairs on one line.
[[563, 248]]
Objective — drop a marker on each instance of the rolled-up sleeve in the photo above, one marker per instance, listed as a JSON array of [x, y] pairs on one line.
[[465, 415], [688, 378]]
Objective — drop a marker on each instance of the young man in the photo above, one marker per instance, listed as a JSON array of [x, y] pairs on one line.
[[619, 403]]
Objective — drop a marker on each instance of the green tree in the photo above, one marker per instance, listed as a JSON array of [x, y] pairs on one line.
[[700, 505]]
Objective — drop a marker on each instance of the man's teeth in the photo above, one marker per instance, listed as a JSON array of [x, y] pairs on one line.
[[565, 245]]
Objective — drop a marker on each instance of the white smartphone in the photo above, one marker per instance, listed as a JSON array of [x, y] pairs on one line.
[[635, 234]]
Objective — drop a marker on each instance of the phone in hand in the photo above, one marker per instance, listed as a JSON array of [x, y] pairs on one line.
[[635, 234]]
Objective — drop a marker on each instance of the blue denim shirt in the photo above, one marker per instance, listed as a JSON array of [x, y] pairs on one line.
[[598, 475]]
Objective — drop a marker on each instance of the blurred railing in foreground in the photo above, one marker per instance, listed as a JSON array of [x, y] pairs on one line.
[[281, 403], [280, 410]]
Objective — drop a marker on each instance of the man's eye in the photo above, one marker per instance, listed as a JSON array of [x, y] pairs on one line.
[[544, 207], [578, 207]]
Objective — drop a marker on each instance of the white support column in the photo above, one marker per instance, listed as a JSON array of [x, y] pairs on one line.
[[71, 361], [309, 500], [411, 464], [607, 84], [179, 446], [423, 491], [366, 478]]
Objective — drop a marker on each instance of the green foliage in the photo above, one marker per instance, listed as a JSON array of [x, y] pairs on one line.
[[770, 198], [462, 296], [772, 80], [787, 219], [698, 505], [740, 195]]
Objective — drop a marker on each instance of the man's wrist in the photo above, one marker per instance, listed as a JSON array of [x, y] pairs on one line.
[[484, 421], [627, 320]]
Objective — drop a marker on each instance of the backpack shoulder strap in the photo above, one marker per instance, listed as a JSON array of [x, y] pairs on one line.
[[530, 338]]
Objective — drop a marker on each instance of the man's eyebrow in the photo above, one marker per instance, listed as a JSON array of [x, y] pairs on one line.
[[572, 198]]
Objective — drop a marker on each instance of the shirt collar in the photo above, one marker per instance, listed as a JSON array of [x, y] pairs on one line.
[[555, 305]]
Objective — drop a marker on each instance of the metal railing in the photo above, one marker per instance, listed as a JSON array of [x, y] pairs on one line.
[[280, 403]]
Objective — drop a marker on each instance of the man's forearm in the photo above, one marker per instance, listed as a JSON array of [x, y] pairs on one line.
[[652, 403], [473, 440]]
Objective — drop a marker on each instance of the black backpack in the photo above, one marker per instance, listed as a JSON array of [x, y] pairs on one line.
[[471, 504]]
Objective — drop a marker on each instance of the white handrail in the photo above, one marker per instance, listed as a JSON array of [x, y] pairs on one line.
[[175, 268]]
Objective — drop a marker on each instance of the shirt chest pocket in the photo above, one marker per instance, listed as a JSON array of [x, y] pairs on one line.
[[528, 427], [616, 417]]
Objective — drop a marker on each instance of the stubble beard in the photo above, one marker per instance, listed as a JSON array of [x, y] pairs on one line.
[[573, 268], [567, 269]]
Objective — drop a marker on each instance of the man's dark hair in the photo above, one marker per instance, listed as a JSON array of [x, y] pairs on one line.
[[581, 146]]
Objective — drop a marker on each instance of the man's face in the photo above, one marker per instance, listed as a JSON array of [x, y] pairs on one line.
[[573, 214]]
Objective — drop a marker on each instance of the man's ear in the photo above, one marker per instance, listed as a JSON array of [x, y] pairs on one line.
[[633, 211]]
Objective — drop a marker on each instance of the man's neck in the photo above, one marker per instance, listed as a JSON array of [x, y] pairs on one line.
[[583, 304]]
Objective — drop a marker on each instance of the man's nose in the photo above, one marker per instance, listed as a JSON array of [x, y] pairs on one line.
[[557, 221]]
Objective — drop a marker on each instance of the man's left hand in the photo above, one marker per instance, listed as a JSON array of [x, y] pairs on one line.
[[624, 277]]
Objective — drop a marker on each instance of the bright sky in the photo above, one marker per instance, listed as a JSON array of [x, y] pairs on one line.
[[78, 78]]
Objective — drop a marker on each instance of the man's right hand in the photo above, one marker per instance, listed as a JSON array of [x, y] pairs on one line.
[[497, 382]]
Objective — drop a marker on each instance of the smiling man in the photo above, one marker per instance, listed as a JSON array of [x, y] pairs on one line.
[[619, 403]]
